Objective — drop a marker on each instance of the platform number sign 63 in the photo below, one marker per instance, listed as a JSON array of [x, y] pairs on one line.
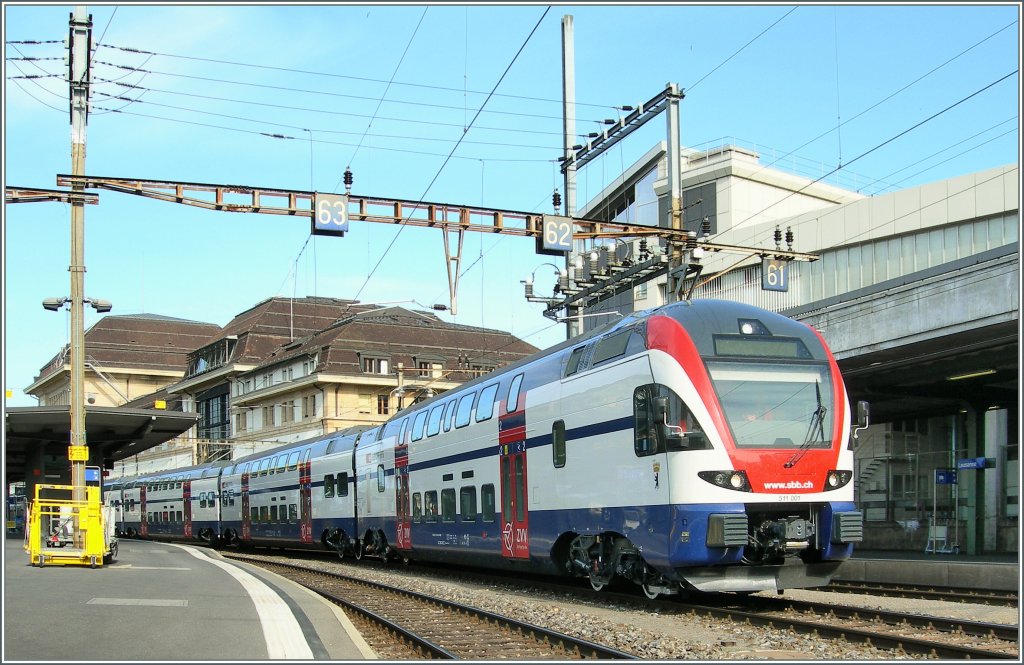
[[556, 235], [774, 275], [330, 214]]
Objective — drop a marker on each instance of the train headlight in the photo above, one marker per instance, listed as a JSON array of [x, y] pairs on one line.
[[836, 479], [730, 480]]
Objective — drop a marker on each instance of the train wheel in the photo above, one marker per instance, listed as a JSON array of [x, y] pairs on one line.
[[597, 583], [358, 550], [650, 590]]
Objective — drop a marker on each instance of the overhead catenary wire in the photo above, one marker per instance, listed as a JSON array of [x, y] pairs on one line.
[[738, 51], [873, 149], [889, 96], [346, 76], [454, 148]]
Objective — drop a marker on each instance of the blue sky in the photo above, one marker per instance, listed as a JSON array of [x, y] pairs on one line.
[[391, 89]]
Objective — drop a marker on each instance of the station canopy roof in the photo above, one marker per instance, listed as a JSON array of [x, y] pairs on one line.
[[112, 433]]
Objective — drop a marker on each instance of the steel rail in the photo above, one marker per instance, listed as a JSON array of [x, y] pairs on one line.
[[539, 633]]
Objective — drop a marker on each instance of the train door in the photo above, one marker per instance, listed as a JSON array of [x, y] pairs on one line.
[[246, 517], [186, 497], [143, 517], [305, 498], [515, 517], [403, 520]]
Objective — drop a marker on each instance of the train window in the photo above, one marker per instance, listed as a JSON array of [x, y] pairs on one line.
[[512, 402], [305, 456], [610, 347], [273, 513], [202, 500], [506, 491], [343, 484], [520, 483], [380, 477], [417, 507], [675, 430], [430, 506], [167, 516], [282, 463], [293, 512], [485, 407], [464, 410], [558, 443], [329, 486], [293, 461], [264, 465], [418, 425], [264, 514], [401, 434], [573, 365], [434, 424], [645, 428], [467, 504], [449, 418], [392, 428], [448, 505]]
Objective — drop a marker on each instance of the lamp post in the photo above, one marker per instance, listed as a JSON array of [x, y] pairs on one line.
[[78, 451]]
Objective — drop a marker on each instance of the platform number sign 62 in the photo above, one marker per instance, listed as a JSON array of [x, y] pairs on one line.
[[774, 275], [556, 235], [330, 214]]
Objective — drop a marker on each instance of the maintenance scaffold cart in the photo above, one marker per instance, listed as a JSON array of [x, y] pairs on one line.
[[51, 538]]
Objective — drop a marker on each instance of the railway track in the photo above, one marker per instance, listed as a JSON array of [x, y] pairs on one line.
[[950, 594], [903, 633], [917, 634], [416, 625]]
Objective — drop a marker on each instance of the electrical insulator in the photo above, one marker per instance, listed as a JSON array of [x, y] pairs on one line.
[[563, 280], [643, 248], [528, 288], [556, 200], [705, 228], [789, 238], [348, 180], [778, 238], [594, 265], [691, 239]]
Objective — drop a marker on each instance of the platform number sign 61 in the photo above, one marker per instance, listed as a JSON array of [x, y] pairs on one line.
[[556, 235], [774, 275], [330, 214]]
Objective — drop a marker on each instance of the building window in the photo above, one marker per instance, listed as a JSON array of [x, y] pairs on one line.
[[429, 368], [383, 407], [288, 411], [268, 416], [214, 421], [241, 422], [364, 402], [309, 406], [375, 365]]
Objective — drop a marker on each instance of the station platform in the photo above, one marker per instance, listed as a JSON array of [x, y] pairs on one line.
[[989, 572], [165, 602]]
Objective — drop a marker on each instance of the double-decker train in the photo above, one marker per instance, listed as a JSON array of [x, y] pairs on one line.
[[700, 445]]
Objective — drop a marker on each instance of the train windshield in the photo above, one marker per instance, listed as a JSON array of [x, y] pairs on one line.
[[770, 405]]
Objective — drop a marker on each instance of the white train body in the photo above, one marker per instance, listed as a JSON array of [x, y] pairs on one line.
[[700, 445]]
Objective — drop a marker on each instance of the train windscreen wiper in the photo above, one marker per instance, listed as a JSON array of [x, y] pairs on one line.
[[817, 422]]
